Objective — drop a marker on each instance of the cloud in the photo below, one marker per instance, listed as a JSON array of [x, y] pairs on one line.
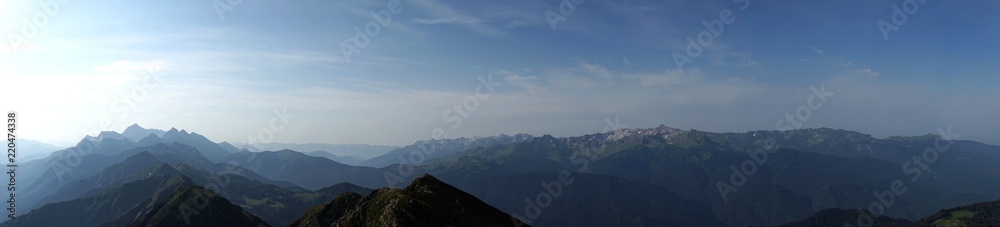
[[442, 13], [526, 83], [666, 78], [451, 20], [593, 75], [126, 72], [516, 23], [721, 54], [866, 72], [815, 49]]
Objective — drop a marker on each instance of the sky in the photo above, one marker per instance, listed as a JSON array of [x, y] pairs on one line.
[[391, 72]]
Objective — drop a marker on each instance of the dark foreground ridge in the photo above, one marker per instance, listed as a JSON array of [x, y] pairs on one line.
[[978, 214], [425, 202], [196, 206]]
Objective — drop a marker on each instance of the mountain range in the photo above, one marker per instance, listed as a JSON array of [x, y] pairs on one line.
[[358, 151], [658, 176], [28, 150]]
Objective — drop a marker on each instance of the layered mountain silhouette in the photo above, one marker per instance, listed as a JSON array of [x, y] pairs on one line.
[[442, 147], [350, 154], [136, 133], [658, 176], [33, 150], [306, 171], [275, 205], [110, 205]]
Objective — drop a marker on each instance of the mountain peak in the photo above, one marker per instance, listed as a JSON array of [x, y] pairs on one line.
[[219, 211], [105, 135], [664, 127], [425, 202], [134, 126], [108, 134], [137, 133], [426, 180], [173, 132], [661, 131], [135, 129]]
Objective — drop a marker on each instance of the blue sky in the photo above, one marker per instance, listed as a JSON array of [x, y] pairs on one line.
[[223, 76]]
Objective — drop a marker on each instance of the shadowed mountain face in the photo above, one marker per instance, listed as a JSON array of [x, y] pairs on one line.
[[195, 206], [839, 217], [103, 172], [139, 166], [639, 177], [785, 185], [273, 204], [123, 201], [978, 214], [581, 199], [425, 202], [92, 154], [303, 170]]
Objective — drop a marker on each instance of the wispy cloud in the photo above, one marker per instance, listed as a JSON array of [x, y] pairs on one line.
[[442, 13], [722, 54], [815, 49], [608, 57]]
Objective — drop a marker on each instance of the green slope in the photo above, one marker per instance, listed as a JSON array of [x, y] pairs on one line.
[[196, 206], [425, 202]]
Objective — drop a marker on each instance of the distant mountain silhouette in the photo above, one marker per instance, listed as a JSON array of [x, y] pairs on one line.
[[359, 151], [658, 176], [28, 150], [347, 160], [136, 133], [303, 170], [442, 147]]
